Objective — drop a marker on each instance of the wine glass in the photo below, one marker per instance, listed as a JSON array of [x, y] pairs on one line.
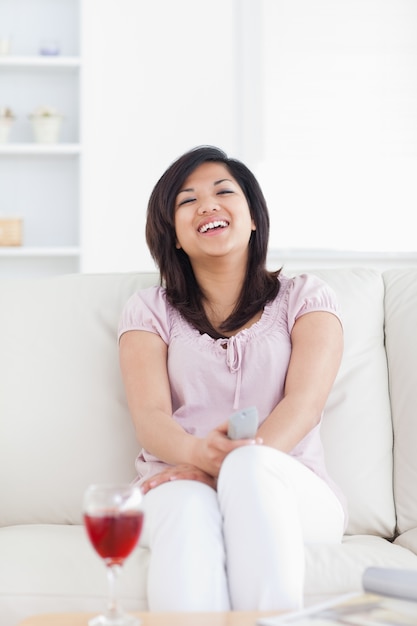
[[113, 518]]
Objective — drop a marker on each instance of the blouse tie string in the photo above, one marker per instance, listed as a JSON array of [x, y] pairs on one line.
[[234, 363]]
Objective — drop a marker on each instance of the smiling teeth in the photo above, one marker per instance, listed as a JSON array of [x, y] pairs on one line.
[[211, 225]]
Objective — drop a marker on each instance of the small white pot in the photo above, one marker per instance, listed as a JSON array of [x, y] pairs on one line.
[[46, 129], [5, 128]]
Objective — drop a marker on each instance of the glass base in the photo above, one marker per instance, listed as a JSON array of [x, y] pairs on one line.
[[121, 619]]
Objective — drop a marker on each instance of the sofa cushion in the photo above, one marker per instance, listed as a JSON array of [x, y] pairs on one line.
[[357, 428], [401, 346], [336, 569], [64, 420], [52, 568]]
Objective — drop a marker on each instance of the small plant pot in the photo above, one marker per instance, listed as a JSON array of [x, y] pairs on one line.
[[6, 124], [46, 129]]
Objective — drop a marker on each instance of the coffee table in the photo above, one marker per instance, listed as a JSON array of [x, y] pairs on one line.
[[232, 618]]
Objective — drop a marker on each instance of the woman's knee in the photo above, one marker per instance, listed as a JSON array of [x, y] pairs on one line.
[[251, 462], [181, 504]]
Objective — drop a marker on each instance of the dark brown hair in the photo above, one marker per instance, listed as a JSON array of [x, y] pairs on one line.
[[176, 273]]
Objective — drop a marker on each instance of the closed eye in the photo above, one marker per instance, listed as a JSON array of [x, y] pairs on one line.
[[186, 201], [224, 191]]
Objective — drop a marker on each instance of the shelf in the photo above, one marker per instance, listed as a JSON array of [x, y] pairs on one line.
[[61, 62], [40, 182], [26, 251], [41, 149]]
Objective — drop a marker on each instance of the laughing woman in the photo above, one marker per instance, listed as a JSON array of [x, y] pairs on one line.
[[227, 520]]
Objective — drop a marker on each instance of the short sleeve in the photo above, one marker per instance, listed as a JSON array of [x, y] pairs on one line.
[[309, 293], [146, 309]]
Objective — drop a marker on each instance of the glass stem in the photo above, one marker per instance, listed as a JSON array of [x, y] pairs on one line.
[[112, 577]]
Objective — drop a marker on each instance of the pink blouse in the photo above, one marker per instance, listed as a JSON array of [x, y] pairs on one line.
[[211, 378]]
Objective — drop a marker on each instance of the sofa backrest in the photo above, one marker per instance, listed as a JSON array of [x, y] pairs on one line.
[[64, 421]]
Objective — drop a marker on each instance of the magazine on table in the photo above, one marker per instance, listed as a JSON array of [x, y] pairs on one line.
[[398, 583], [389, 598]]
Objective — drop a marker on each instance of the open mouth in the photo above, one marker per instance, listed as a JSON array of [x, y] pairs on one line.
[[213, 226]]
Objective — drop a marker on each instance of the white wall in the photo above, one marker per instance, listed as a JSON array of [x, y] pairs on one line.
[[159, 78], [319, 97], [340, 116]]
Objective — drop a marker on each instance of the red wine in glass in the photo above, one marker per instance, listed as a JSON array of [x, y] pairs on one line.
[[114, 535], [113, 519]]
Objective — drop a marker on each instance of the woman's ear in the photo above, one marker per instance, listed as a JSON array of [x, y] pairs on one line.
[[253, 225]]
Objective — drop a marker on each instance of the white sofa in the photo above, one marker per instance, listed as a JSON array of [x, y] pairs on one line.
[[64, 424]]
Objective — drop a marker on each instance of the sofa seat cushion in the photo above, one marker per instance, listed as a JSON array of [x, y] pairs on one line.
[[408, 540], [53, 568], [336, 569]]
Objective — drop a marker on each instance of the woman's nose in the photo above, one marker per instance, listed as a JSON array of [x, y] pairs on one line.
[[208, 207]]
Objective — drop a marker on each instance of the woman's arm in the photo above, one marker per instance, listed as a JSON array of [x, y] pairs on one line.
[[317, 346], [143, 362]]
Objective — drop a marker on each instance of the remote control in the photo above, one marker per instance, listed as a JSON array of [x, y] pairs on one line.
[[243, 424]]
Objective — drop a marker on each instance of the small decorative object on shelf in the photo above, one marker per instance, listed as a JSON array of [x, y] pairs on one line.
[[6, 121], [10, 231], [46, 124], [49, 48], [4, 45]]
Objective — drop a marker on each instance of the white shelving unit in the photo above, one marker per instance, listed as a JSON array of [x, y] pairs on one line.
[[40, 183], [40, 61], [40, 149]]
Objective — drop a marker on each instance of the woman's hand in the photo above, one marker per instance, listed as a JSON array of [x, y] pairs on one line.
[[210, 453], [212, 450], [179, 472]]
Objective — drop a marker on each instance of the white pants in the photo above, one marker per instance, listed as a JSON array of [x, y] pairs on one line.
[[242, 547]]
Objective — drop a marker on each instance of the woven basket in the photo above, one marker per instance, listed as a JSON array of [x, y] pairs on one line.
[[10, 232]]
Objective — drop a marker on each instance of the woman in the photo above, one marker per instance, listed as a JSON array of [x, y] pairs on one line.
[[227, 520]]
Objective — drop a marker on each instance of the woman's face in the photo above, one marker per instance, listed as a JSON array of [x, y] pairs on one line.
[[212, 216]]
